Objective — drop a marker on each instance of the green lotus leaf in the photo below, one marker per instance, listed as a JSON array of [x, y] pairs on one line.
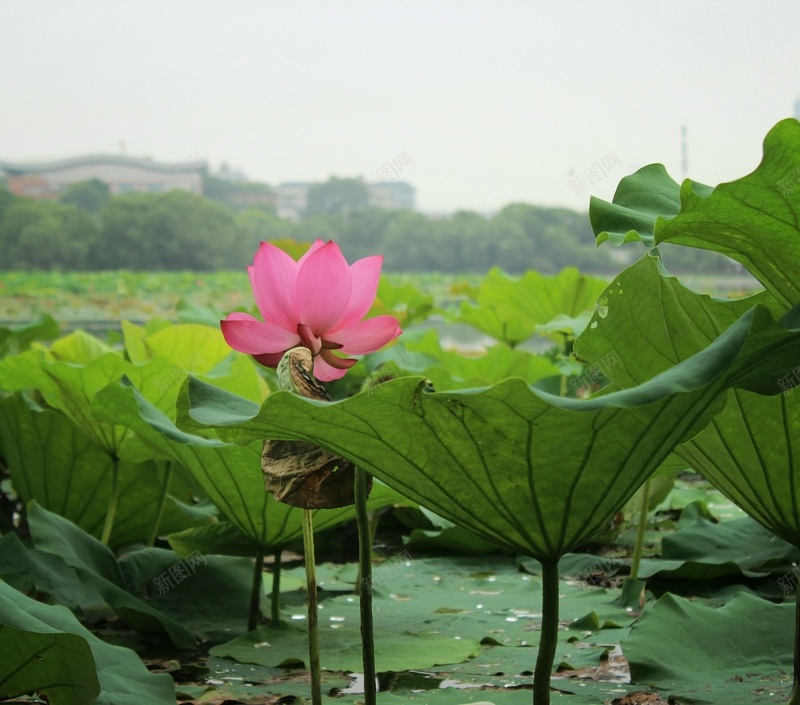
[[17, 339], [56, 664], [67, 473], [749, 450], [123, 678], [750, 454], [752, 220], [702, 654], [79, 348], [702, 549], [228, 473], [647, 321], [535, 473], [70, 388], [640, 199], [455, 371], [512, 310], [97, 567]]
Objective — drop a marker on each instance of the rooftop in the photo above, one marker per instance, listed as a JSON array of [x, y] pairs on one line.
[[14, 168]]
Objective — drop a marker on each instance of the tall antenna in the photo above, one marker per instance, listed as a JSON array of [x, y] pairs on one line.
[[684, 154]]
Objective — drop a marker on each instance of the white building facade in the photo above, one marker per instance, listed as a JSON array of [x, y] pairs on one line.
[[48, 180], [293, 197]]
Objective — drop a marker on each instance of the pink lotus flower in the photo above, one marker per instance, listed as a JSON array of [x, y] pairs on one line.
[[317, 302]]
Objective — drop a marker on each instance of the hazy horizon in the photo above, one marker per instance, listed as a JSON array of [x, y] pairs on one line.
[[491, 104]]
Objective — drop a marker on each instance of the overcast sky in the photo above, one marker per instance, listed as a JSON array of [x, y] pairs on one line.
[[493, 102]]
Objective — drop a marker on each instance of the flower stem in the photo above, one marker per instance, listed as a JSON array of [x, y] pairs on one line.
[[640, 533], [255, 592], [275, 597], [549, 637], [162, 501], [311, 588], [365, 586], [112, 502], [794, 698]]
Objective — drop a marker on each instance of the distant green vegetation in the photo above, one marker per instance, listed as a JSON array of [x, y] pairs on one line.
[[87, 297], [88, 231]]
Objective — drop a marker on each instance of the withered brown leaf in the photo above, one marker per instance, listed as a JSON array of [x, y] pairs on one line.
[[300, 473]]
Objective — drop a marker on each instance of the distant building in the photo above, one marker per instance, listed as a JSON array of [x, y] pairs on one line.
[[229, 174], [232, 188], [252, 198], [392, 194], [293, 197], [48, 180]]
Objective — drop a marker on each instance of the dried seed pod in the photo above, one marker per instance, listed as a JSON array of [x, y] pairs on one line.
[[304, 475], [301, 473]]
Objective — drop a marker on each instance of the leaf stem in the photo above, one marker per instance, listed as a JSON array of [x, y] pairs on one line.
[[374, 518], [275, 596], [640, 533], [162, 501], [365, 586], [255, 592], [313, 628], [794, 698], [549, 637], [112, 502]]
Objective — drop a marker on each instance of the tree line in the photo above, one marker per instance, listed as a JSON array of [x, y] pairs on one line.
[[86, 229]]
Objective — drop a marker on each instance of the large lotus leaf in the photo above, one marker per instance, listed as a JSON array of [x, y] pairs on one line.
[[123, 678], [71, 387], [96, 566], [406, 302], [491, 313], [702, 549], [750, 453], [426, 612], [395, 650], [53, 461], [50, 574], [60, 666], [238, 374], [78, 348], [188, 591], [556, 303], [198, 350], [133, 339], [640, 199], [753, 220], [189, 311], [202, 351], [647, 321], [701, 654], [455, 371], [512, 310], [188, 588], [222, 537], [25, 371], [17, 339], [229, 474], [536, 473]]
